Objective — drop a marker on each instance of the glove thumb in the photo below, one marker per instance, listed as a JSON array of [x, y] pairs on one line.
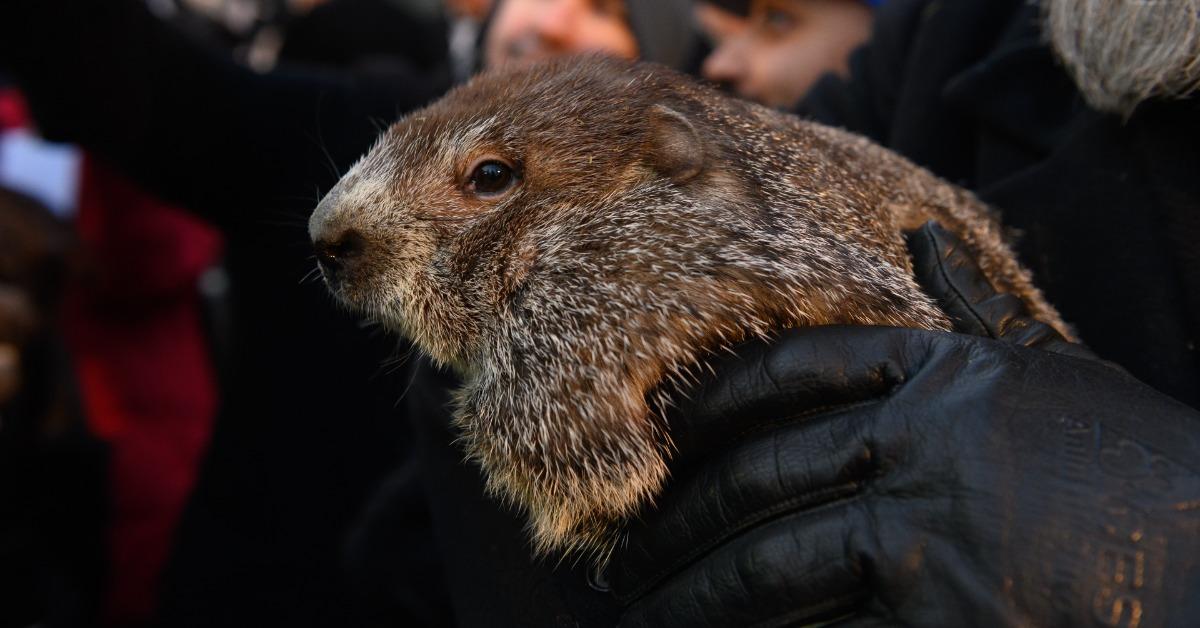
[[949, 273]]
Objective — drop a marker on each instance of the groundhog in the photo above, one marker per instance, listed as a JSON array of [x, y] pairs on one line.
[[575, 238]]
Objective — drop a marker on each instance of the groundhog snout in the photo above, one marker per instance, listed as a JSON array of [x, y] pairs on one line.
[[340, 246], [339, 253]]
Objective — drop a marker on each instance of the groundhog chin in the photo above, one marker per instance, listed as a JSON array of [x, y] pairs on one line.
[[355, 292], [578, 515], [385, 308]]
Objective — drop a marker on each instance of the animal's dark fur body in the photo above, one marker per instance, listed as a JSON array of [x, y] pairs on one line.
[[654, 220]]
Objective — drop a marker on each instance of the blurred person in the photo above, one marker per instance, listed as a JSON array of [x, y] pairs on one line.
[[308, 423], [137, 331], [53, 469], [720, 22], [1124, 54], [230, 26], [525, 31], [786, 46], [253, 31], [34, 249], [133, 324]]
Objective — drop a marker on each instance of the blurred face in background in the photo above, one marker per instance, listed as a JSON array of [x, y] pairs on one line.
[[718, 24], [523, 31], [786, 46]]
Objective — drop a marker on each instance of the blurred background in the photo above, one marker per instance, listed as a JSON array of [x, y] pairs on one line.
[[174, 448], [191, 432]]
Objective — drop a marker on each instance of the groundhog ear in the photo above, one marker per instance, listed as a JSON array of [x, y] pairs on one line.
[[676, 150]]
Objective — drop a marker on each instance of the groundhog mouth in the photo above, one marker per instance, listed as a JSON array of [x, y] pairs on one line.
[[345, 290], [351, 278]]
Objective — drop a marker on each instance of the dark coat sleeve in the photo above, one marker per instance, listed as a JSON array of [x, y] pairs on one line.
[[897, 89]]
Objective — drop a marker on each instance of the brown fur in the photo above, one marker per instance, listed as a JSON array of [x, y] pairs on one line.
[[655, 221]]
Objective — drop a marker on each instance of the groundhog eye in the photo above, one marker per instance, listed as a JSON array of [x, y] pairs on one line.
[[491, 178]]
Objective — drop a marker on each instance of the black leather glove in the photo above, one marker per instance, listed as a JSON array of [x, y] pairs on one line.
[[878, 476]]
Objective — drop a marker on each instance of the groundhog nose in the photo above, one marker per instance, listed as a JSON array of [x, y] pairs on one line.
[[339, 253]]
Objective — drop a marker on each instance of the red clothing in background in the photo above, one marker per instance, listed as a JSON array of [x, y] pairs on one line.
[[134, 329], [135, 332]]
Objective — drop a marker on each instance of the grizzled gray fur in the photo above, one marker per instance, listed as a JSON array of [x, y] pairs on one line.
[[575, 238]]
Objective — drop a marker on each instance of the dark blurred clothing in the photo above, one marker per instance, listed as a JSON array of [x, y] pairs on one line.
[[308, 422], [356, 33], [52, 469], [1107, 211], [53, 500]]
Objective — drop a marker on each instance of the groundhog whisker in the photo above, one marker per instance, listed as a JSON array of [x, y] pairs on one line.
[[311, 275], [407, 387], [319, 141]]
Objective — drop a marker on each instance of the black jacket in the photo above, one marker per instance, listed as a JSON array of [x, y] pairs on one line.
[[1107, 211]]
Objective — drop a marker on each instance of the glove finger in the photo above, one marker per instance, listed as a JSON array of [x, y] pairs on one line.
[[803, 467], [948, 272], [802, 568], [800, 373], [953, 279]]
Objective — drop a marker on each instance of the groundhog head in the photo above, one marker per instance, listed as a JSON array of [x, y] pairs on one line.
[[572, 239], [434, 230]]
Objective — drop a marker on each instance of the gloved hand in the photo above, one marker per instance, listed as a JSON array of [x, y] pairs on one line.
[[872, 476]]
